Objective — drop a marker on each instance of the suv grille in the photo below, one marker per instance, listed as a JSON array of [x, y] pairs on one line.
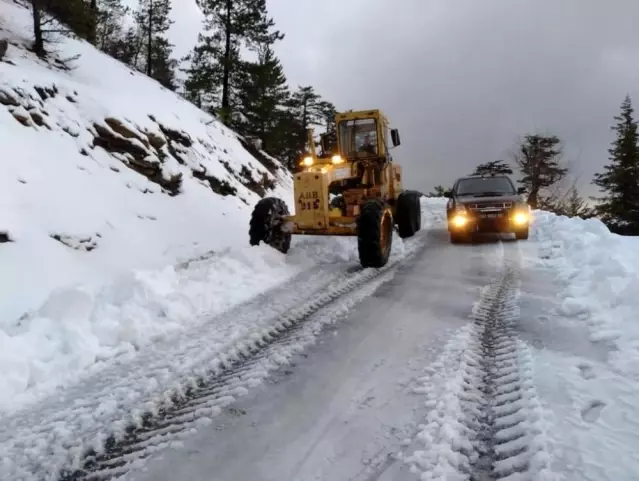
[[491, 205]]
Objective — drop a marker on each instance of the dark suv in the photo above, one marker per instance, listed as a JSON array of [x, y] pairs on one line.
[[486, 204]]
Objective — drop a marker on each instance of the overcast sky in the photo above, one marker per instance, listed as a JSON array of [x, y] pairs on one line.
[[463, 79]]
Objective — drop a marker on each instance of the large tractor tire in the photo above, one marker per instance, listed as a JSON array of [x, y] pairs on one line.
[[267, 222], [374, 233], [408, 214]]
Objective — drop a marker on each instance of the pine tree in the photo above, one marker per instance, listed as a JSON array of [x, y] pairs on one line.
[[493, 167], [239, 22], [575, 205], [304, 108], [203, 74], [619, 208], [439, 191], [538, 160], [73, 15], [263, 92], [108, 27], [38, 35], [128, 47], [153, 19], [286, 139], [327, 113]]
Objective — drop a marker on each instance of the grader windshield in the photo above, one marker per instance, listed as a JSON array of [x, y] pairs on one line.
[[358, 137]]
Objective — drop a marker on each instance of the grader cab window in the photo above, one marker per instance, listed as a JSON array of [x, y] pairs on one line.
[[358, 138]]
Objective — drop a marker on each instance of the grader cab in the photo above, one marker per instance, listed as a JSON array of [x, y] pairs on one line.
[[352, 188]]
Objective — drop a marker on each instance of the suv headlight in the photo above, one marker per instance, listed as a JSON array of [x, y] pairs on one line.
[[520, 217]]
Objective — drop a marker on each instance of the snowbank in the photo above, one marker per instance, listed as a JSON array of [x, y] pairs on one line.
[[78, 329], [599, 275], [81, 329]]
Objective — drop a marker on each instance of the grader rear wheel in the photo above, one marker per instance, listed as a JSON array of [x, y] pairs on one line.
[[408, 214], [374, 233]]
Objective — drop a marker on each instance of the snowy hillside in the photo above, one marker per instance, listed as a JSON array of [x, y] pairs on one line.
[[103, 170]]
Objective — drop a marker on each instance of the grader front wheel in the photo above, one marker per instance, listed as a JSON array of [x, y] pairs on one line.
[[374, 233], [266, 224]]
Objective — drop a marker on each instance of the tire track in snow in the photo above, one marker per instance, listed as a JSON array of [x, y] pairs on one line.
[[101, 430], [483, 426], [199, 404]]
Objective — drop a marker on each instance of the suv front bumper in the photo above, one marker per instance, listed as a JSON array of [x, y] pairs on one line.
[[502, 221]]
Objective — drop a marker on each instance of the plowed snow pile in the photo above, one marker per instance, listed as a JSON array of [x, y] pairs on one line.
[[592, 388]]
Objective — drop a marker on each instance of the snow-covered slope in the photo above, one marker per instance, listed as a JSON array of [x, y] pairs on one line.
[[103, 170]]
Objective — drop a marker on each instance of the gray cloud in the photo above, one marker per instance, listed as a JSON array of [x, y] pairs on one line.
[[462, 79]]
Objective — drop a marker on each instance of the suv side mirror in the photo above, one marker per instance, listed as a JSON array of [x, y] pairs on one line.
[[521, 190], [448, 194], [395, 137]]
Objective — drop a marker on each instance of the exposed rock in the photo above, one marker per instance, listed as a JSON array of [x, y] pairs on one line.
[[78, 243], [8, 99], [38, 119], [119, 127], [22, 116], [4, 45], [72, 133], [156, 141], [259, 187], [112, 142], [5, 237], [221, 187], [259, 155], [176, 136], [136, 157]]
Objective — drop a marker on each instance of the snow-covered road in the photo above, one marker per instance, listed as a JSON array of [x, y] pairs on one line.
[[404, 380], [451, 363]]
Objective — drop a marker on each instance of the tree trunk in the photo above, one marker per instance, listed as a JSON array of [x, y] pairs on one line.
[[227, 65], [93, 22], [38, 45], [149, 40], [533, 197]]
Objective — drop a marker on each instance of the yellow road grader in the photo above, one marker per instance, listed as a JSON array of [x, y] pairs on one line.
[[352, 188]]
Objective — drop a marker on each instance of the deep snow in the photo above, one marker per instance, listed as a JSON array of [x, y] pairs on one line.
[[107, 218], [100, 258]]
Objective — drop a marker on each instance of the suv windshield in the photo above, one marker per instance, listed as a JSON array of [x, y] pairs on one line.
[[485, 185], [358, 136]]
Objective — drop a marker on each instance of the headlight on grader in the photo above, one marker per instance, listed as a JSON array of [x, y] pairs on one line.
[[520, 218], [307, 161], [337, 159]]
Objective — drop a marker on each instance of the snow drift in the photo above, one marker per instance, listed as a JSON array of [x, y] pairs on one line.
[[599, 276]]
